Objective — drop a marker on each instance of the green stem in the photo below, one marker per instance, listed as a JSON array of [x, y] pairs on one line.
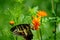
[[53, 8], [16, 37], [52, 1], [41, 34], [40, 29]]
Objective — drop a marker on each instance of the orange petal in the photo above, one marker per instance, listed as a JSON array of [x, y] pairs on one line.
[[36, 23], [41, 13]]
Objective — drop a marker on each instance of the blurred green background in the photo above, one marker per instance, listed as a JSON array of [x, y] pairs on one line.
[[21, 11]]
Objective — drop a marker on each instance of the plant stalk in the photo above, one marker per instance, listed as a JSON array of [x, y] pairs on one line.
[[40, 29], [54, 13]]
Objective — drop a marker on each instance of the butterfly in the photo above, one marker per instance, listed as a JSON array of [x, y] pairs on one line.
[[23, 30]]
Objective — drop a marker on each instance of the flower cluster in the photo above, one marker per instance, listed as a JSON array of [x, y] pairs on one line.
[[36, 23], [36, 20]]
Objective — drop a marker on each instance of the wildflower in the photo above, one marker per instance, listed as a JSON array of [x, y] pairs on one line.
[[36, 23], [11, 22], [41, 13]]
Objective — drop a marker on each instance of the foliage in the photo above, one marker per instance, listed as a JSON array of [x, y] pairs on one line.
[[21, 11]]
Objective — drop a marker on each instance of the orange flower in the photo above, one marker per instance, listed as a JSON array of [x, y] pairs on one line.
[[41, 13], [36, 23], [11, 22]]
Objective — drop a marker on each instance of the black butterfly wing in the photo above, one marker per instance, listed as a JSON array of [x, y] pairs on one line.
[[23, 30]]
